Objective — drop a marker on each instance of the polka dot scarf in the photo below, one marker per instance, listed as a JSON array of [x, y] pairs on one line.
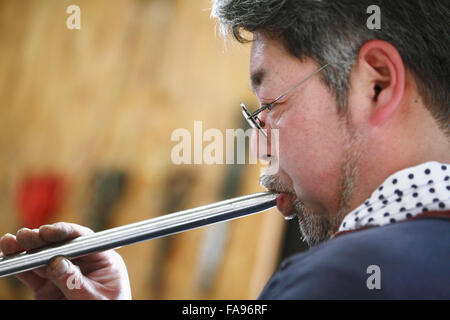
[[404, 195]]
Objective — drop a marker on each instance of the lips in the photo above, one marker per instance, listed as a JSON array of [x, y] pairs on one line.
[[285, 204]]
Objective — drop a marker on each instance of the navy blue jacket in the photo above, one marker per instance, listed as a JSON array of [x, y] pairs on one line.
[[413, 258]]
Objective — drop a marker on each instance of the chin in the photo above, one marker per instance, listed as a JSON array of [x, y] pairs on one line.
[[314, 227]]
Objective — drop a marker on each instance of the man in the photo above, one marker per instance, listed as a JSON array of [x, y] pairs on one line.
[[364, 152]]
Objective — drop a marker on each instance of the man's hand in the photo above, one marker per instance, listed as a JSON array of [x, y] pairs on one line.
[[97, 276]]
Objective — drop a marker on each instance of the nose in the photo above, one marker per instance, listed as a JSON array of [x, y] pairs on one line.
[[260, 144], [262, 116]]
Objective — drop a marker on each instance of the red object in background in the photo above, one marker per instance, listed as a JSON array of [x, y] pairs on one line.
[[38, 199]]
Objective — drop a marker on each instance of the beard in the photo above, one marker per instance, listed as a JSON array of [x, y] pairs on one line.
[[315, 227]]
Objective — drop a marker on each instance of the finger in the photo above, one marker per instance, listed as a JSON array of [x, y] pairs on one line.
[[94, 261], [31, 279], [10, 245], [69, 279], [62, 231], [48, 292], [29, 238], [41, 271]]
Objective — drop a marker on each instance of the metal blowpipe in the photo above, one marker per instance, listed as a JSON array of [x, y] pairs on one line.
[[140, 231]]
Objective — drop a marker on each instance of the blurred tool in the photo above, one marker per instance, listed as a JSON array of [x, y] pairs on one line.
[[39, 198], [213, 248], [108, 186], [177, 189]]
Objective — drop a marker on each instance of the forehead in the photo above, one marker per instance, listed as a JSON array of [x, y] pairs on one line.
[[270, 61], [265, 45], [264, 53]]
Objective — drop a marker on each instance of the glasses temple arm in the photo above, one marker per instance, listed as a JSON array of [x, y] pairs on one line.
[[298, 84], [269, 105]]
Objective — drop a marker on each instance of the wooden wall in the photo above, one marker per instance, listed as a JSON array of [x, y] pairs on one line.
[[106, 98]]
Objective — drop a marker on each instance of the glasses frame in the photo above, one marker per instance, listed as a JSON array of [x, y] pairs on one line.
[[252, 118]]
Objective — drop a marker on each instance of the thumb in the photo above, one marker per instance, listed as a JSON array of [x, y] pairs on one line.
[[69, 279]]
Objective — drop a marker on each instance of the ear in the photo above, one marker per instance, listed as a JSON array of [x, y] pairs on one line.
[[386, 78]]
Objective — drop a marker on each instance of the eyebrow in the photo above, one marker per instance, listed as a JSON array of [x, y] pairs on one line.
[[257, 77]]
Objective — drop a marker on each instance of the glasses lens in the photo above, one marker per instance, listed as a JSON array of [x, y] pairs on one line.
[[254, 123], [247, 115]]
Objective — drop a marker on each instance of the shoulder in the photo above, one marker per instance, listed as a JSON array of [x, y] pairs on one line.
[[411, 258]]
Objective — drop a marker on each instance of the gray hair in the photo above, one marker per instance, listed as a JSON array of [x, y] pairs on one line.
[[331, 31]]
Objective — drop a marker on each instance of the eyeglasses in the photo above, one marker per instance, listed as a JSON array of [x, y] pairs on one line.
[[252, 118]]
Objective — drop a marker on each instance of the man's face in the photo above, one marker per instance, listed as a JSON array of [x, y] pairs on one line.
[[317, 151]]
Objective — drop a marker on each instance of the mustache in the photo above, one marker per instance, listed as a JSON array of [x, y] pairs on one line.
[[274, 183]]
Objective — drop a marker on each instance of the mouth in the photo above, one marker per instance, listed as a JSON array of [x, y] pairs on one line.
[[286, 199], [285, 203]]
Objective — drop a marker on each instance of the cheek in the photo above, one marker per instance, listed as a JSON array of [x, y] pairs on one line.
[[311, 151]]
